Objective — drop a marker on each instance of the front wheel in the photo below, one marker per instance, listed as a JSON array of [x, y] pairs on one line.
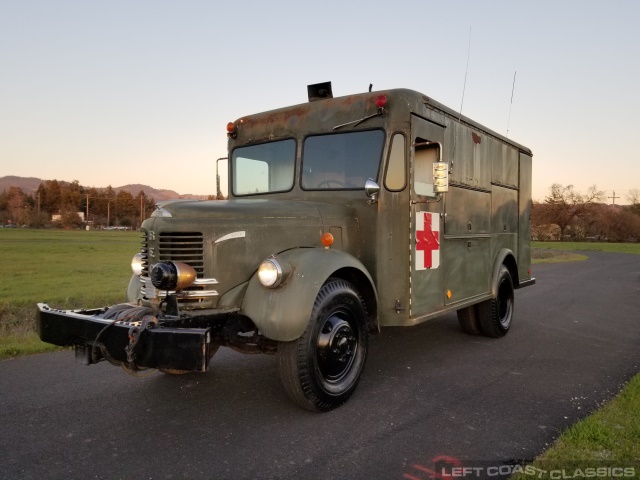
[[321, 369]]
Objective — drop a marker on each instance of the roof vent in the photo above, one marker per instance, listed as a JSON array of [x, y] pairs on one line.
[[319, 91]]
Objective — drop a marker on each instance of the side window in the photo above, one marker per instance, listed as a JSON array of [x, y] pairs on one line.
[[426, 153], [396, 167]]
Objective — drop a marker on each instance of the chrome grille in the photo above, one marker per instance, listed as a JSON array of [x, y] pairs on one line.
[[182, 247], [186, 247]]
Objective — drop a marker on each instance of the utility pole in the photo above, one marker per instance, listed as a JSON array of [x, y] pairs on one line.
[[614, 197]]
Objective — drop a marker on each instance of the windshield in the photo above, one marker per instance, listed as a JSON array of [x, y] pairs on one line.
[[264, 168], [341, 160]]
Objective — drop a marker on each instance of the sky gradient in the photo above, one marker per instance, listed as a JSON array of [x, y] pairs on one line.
[[118, 92]]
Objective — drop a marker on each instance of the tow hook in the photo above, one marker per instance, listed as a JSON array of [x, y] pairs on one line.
[[149, 321]]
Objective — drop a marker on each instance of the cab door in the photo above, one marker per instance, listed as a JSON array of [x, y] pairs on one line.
[[427, 221]]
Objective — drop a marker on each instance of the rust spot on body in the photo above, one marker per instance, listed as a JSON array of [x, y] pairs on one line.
[[476, 138]]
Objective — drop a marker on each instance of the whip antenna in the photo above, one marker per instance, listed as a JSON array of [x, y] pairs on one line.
[[513, 87], [464, 87]]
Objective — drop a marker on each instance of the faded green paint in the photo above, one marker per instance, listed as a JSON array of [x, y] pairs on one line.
[[484, 218]]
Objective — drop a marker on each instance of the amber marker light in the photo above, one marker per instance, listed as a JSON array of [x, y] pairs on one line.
[[327, 239], [231, 130], [449, 294]]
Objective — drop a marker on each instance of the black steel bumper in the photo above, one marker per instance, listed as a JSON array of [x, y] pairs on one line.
[[157, 347]]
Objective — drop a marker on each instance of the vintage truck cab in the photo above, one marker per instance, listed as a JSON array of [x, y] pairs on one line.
[[344, 215]]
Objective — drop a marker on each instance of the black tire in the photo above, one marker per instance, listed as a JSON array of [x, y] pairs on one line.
[[496, 314], [321, 369], [468, 320]]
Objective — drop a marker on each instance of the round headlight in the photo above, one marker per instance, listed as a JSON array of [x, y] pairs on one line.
[[137, 263], [270, 273]]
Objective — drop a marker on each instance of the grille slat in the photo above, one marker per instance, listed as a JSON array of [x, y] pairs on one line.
[[184, 247]]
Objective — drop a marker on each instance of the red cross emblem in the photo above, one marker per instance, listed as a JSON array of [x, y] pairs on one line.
[[427, 240]]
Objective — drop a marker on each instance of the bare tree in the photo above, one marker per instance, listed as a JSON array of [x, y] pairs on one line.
[[564, 205], [634, 198]]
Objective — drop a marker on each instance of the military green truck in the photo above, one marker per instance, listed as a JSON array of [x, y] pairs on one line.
[[344, 216]]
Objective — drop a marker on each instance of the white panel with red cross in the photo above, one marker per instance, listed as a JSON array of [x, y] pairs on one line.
[[427, 240]]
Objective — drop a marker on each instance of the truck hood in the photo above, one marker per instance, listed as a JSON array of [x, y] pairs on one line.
[[241, 209], [237, 235]]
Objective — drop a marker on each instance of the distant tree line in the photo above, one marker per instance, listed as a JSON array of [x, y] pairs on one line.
[[57, 203], [566, 214]]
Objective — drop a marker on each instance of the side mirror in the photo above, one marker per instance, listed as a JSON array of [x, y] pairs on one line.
[[371, 190], [440, 177]]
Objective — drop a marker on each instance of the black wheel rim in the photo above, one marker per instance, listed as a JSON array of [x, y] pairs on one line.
[[337, 344]]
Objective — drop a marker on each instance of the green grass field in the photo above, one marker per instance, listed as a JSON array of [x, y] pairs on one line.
[[560, 252], [589, 246], [67, 269]]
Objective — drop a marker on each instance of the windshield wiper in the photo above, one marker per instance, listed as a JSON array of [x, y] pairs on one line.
[[358, 122]]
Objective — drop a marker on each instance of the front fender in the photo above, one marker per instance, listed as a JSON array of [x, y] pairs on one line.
[[283, 313]]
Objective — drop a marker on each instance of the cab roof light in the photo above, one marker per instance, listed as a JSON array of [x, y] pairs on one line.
[[381, 101], [231, 130]]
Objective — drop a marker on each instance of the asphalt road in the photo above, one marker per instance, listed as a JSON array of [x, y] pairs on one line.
[[429, 393]]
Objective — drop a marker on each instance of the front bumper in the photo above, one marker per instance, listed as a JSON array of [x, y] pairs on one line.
[[96, 338]]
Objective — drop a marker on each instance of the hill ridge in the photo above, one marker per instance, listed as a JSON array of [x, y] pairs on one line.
[[29, 185]]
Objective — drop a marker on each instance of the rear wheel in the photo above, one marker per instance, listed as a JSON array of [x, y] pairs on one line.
[[468, 319], [495, 315], [321, 369]]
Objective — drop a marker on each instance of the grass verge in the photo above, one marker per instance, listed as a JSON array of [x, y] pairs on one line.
[[589, 246], [26, 344], [555, 256], [559, 252], [602, 444], [608, 439], [67, 269]]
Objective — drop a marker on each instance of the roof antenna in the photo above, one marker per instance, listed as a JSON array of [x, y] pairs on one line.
[[464, 87], [370, 86], [513, 87]]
